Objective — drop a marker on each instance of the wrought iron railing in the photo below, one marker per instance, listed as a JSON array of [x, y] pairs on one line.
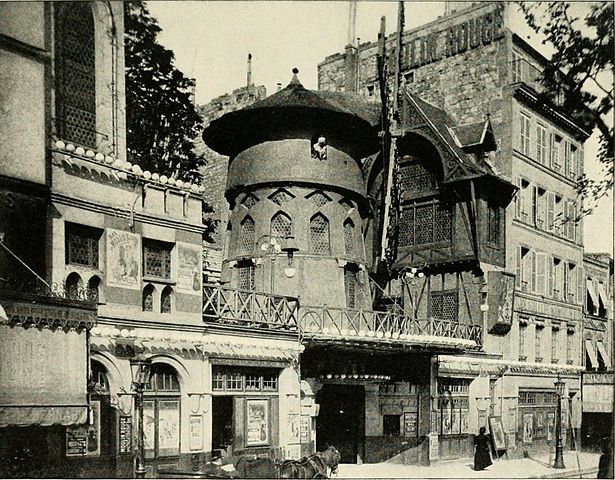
[[232, 306], [56, 291], [324, 320]]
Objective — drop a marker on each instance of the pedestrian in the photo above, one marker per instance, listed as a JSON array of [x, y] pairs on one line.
[[605, 464], [482, 458]]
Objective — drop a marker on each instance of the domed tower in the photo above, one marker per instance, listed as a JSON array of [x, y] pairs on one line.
[[297, 195]]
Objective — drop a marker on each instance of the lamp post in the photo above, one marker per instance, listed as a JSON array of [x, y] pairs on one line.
[[413, 274], [559, 448], [140, 368], [273, 247]]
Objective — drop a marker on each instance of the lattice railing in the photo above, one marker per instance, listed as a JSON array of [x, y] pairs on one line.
[[233, 306]]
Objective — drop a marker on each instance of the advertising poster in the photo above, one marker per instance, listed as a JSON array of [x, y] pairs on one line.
[[411, 420], [528, 427], [305, 429], [497, 433], [168, 428], [456, 422], [512, 420], [550, 425], [501, 297], [123, 259], [196, 432], [149, 428], [125, 446], [465, 416], [447, 427], [295, 427], [85, 439], [258, 422], [189, 268]]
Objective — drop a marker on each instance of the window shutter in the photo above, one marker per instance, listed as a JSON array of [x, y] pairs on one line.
[[551, 160], [581, 285], [527, 271], [534, 205], [540, 273], [534, 272], [565, 286], [519, 268], [550, 273], [550, 210]]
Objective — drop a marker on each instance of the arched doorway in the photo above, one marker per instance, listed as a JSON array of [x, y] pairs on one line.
[[161, 419]]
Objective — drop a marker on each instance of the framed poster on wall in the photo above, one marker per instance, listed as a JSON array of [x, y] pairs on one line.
[[257, 419], [168, 428], [411, 420], [84, 440], [125, 435], [497, 433], [550, 425], [293, 421], [528, 427], [196, 432]]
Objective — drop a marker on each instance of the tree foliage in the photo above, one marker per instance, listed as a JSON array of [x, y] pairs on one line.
[[580, 72], [161, 119]]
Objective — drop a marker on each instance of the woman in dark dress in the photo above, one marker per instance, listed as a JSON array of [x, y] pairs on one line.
[[482, 458]]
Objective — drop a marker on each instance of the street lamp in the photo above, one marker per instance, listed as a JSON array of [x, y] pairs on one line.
[[273, 247], [559, 448], [140, 368], [413, 274]]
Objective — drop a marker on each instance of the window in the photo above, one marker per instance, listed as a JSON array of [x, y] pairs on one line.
[[524, 134], [148, 298], [522, 334], [318, 199], [569, 346], [558, 278], [541, 144], [555, 153], [280, 197], [156, 259], [94, 286], [246, 276], [415, 177], [247, 235], [444, 305], [571, 282], [249, 201], [575, 162], [524, 201], [319, 235], [163, 379], [391, 425], [554, 334], [73, 286], [538, 343], [249, 379], [539, 272], [281, 225], [558, 221], [82, 245], [370, 90], [99, 378], [493, 224], [523, 269], [165, 299], [350, 286], [349, 239], [409, 77], [539, 208], [426, 224], [516, 68], [75, 72]]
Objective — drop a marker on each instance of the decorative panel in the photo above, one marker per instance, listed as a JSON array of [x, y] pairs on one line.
[[280, 197], [318, 199], [281, 225], [249, 201]]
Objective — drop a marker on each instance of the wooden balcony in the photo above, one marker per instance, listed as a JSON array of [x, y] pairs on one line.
[[246, 309]]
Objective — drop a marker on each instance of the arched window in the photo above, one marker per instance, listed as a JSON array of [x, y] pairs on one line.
[[73, 286], [281, 225], [148, 298], [100, 382], [319, 235], [349, 240], [75, 72], [350, 286], [163, 378], [247, 235], [165, 300], [94, 286]]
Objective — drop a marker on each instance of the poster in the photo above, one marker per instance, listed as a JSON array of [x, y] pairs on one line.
[[168, 427], [123, 259], [550, 425], [465, 416], [512, 420], [447, 427], [125, 446], [149, 428], [411, 420], [497, 433], [196, 432], [528, 427], [258, 422], [189, 268], [84, 440], [456, 422], [305, 429], [294, 427], [501, 297]]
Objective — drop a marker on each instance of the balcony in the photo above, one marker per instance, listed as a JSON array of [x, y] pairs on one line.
[[240, 309]]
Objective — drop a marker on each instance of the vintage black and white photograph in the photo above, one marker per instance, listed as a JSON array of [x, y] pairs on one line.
[[306, 239]]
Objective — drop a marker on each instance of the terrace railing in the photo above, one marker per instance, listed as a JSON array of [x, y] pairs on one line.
[[232, 306]]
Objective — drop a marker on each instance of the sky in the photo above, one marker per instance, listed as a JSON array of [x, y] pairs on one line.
[[211, 41]]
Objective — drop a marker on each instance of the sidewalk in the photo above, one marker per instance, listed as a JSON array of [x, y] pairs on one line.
[[538, 467]]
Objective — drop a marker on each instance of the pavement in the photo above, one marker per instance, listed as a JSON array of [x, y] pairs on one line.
[[532, 467]]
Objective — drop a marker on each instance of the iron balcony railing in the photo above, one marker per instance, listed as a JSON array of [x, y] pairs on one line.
[[333, 321], [232, 306]]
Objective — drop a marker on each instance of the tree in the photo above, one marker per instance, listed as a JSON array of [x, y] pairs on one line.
[[161, 120], [580, 73]]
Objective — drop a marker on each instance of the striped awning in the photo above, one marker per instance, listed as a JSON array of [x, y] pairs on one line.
[[606, 358], [591, 353], [602, 294], [592, 291]]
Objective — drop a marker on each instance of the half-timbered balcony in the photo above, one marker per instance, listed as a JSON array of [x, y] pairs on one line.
[[248, 309]]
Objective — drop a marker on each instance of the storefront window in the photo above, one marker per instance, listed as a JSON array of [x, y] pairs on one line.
[[453, 411], [249, 379], [536, 415]]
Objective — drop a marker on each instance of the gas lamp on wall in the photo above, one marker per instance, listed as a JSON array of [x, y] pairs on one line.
[[290, 250]]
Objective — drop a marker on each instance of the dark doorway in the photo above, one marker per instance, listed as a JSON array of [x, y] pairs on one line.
[[222, 423], [341, 421]]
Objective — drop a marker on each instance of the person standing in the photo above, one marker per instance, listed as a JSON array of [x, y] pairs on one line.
[[605, 464], [482, 458]]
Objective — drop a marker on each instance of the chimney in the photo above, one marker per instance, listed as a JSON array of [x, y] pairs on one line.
[[352, 20], [351, 57], [249, 79]]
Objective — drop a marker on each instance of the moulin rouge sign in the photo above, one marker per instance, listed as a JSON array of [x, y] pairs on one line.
[[468, 35]]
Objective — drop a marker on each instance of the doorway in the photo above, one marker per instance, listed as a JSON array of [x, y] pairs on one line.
[[341, 421], [222, 422]]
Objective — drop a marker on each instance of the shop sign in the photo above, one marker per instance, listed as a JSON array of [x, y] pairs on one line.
[[411, 424], [258, 422], [123, 259], [125, 442], [459, 38], [84, 440], [196, 432], [189, 269], [305, 429]]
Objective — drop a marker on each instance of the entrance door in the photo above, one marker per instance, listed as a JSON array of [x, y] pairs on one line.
[[222, 422], [341, 421]]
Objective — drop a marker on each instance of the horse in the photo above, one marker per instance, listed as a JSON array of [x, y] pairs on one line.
[[317, 465]]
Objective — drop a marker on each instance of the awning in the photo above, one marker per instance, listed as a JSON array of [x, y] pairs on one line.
[[249, 355], [592, 291], [23, 416], [606, 358], [591, 353], [602, 294]]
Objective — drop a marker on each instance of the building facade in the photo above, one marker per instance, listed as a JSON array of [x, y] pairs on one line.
[[470, 66]]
